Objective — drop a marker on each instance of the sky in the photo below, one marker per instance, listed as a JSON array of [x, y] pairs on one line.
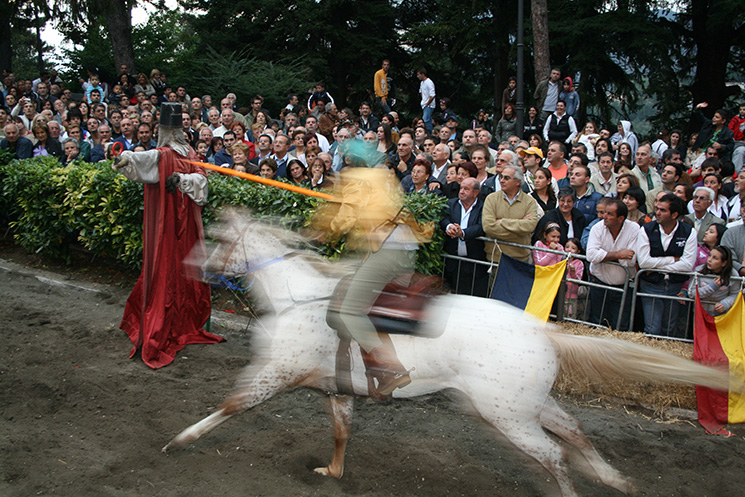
[[140, 15]]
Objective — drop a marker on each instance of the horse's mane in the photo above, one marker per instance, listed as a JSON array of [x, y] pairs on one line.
[[238, 218]]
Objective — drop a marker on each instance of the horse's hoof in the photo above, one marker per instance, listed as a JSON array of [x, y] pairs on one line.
[[326, 471]]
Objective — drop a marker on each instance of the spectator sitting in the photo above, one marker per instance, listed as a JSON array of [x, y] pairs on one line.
[[201, 148], [72, 150], [46, 145], [19, 146], [419, 179], [701, 217], [297, 172], [268, 168], [319, 179], [222, 156], [239, 152], [717, 287], [635, 199]]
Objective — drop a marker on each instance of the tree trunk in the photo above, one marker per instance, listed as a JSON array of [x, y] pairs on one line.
[[6, 46], [541, 59], [713, 33], [119, 22]]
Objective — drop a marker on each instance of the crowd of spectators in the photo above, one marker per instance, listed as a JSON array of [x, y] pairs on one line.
[[578, 188]]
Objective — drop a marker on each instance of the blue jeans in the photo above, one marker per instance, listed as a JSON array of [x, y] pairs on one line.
[[427, 118], [660, 315], [385, 107]]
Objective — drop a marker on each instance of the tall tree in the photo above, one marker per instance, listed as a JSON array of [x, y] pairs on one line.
[[541, 47], [77, 17]]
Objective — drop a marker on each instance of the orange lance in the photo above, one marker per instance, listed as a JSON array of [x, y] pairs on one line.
[[261, 179]]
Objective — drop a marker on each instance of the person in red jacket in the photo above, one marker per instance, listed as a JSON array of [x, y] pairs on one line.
[[737, 125]]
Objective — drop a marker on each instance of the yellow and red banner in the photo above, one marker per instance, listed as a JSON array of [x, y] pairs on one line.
[[718, 342]]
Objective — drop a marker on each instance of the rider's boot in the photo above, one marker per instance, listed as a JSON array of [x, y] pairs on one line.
[[383, 364]]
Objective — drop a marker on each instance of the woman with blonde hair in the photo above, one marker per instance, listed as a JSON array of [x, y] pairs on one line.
[[240, 152]]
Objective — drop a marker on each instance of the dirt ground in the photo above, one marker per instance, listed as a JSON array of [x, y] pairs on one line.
[[80, 418]]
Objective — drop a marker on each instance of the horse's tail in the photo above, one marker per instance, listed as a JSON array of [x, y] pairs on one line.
[[601, 357]]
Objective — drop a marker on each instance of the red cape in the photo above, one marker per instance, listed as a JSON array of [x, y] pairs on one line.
[[167, 309]]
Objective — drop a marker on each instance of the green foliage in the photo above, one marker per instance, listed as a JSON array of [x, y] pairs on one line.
[[52, 207], [238, 72]]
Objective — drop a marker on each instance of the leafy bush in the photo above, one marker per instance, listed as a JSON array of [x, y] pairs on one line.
[[50, 207]]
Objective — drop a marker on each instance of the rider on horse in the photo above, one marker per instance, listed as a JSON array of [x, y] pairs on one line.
[[368, 211]]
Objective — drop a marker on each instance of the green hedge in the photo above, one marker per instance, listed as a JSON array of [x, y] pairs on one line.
[[50, 207]]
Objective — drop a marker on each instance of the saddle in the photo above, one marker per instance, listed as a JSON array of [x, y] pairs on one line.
[[399, 310]]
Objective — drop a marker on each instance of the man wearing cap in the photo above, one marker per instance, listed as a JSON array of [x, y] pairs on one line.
[[532, 158], [167, 308]]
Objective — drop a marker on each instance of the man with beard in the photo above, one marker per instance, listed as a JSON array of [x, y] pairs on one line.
[[167, 309]]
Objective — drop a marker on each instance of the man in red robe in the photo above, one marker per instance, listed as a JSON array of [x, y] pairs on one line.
[[168, 306]]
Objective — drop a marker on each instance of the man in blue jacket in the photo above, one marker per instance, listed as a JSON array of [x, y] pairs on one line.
[[21, 147]]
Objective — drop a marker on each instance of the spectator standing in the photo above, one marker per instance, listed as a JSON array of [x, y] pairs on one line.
[[644, 170], [737, 126], [587, 197], [547, 94], [612, 240], [716, 283], [570, 220], [381, 87], [462, 226], [714, 132], [625, 135], [570, 97], [734, 239], [509, 215], [669, 245], [427, 97], [604, 180]]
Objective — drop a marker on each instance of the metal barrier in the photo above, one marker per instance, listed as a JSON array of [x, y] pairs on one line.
[[579, 311], [681, 329], [574, 311]]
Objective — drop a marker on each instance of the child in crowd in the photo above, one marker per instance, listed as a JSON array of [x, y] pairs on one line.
[[575, 271], [549, 240], [716, 286], [202, 149]]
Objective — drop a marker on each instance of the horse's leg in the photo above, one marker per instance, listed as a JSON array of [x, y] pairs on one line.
[[251, 391], [522, 428], [555, 420], [341, 411]]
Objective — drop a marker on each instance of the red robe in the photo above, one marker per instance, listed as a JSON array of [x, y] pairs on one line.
[[167, 309]]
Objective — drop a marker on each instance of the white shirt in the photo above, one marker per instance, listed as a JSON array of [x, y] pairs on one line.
[[667, 263], [464, 215], [601, 242], [323, 143], [426, 90]]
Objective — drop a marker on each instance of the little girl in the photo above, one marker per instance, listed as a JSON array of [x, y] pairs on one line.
[[575, 269], [550, 240], [716, 284]]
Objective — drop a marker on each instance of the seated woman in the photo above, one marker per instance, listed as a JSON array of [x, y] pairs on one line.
[[571, 221], [268, 168], [624, 182], [45, 144], [419, 179], [240, 134], [635, 201], [297, 173], [72, 150], [716, 286], [318, 179], [240, 151]]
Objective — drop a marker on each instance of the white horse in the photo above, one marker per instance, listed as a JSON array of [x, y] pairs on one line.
[[502, 361]]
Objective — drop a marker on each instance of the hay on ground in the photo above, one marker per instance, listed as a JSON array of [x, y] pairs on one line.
[[660, 396]]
